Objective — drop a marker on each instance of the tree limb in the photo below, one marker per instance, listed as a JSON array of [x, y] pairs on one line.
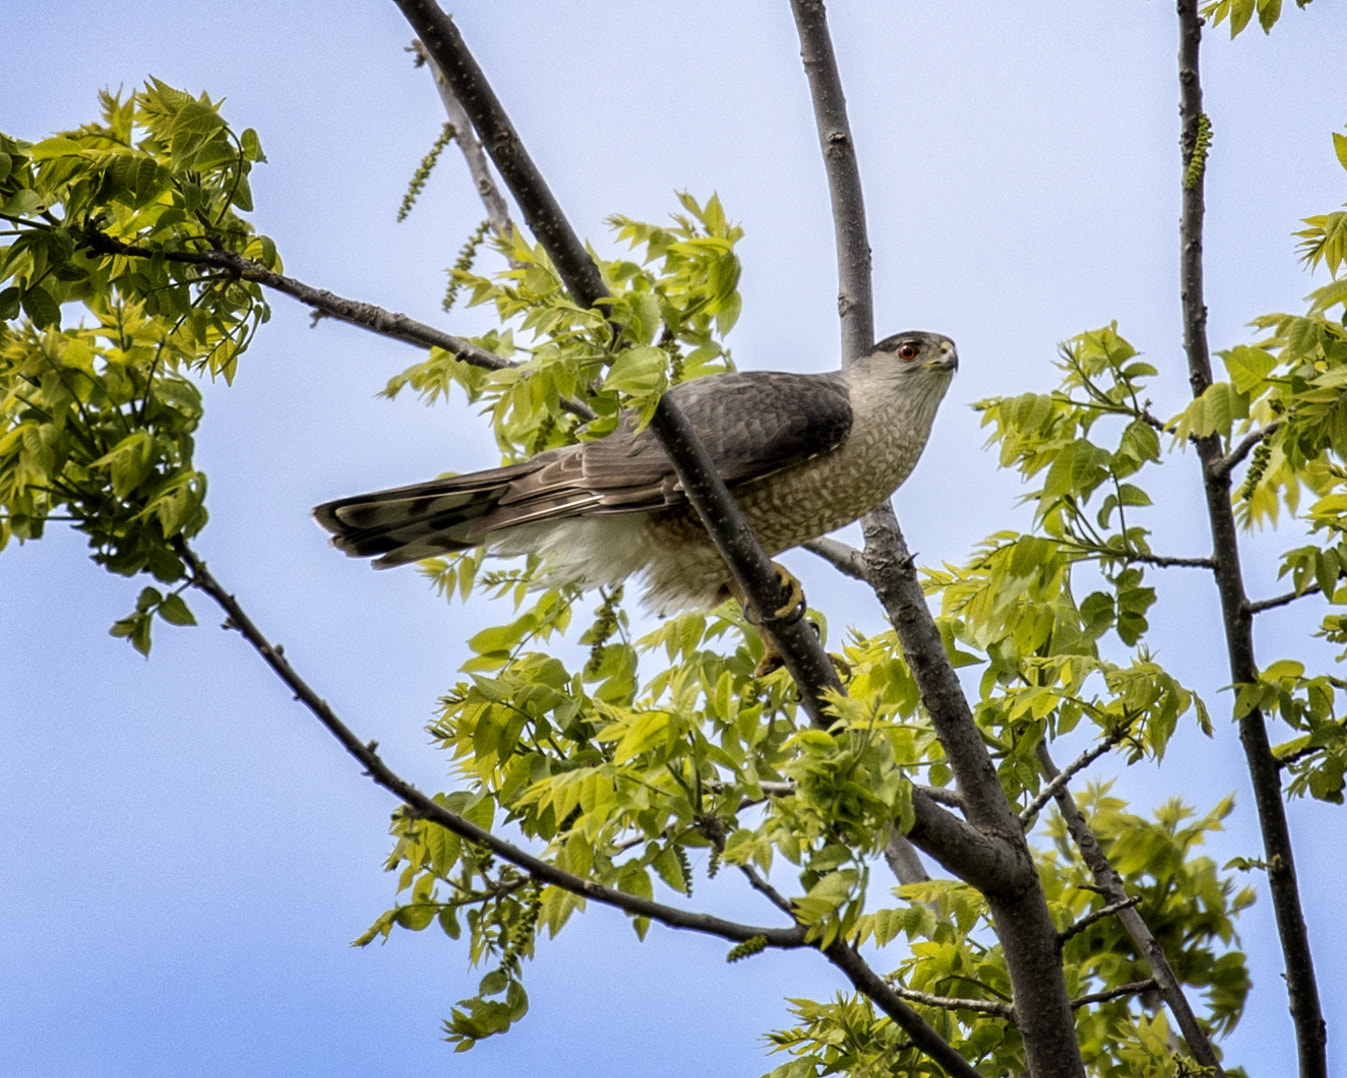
[[846, 559], [423, 807], [1111, 886], [1302, 989], [1019, 909], [882, 994], [1059, 781], [385, 323], [1258, 606], [1085, 922], [1132, 989], [855, 303], [953, 1003]]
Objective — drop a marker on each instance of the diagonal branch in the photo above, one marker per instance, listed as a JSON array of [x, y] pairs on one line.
[[1251, 442], [497, 213], [954, 1003], [1076, 928], [423, 807], [386, 323], [1059, 781], [846, 559], [1259, 605], [804, 656], [1116, 992], [1111, 886], [1264, 774], [875, 988], [419, 805]]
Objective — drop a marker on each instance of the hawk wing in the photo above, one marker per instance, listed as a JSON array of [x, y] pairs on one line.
[[753, 424]]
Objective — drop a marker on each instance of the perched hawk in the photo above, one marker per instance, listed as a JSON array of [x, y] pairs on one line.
[[803, 454]]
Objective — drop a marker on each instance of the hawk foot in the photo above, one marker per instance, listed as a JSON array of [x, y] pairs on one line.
[[772, 659], [791, 610]]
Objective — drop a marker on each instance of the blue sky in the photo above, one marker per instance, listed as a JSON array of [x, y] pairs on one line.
[[184, 855]]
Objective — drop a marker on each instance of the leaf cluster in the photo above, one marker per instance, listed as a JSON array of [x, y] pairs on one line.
[[97, 419]]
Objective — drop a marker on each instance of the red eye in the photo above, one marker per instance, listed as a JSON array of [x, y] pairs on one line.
[[908, 350]]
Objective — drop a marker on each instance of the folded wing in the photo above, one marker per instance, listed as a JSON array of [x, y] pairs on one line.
[[753, 424]]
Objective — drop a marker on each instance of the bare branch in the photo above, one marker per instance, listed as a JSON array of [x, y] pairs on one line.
[[953, 1003], [1098, 915], [1059, 781], [1164, 561], [855, 303], [903, 860], [1257, 607], [423, 807], [1111, 886], [942, 796], [844, 558], [497, 212], [1264, 774], [1131, 989]]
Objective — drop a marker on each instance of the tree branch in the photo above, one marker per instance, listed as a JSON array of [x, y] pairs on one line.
[[1132, 989], [1302, 990], [1165, 561], [419, 805], [882, 994], [1098, 915], [396, 326], [497, 212], [846, 559], [953, 1003], [1228, 464], [1059, 781], [1019, 910], [1258, 606], [855, 303], [1113, 889], [423, 807]]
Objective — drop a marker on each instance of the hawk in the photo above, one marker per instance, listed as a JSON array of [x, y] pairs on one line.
[[803, 455]]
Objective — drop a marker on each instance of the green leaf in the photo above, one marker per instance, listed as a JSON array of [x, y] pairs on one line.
[[39, 305], [1340, 148], [175, 611]]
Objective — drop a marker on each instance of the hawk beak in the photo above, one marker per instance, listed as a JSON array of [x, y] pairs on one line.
[[948, 361]]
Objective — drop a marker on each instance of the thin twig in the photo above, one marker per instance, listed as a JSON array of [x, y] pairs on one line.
[[1260, 605], [497, 212], [881, 993], [1059, 781], [1164, 561], [1085, 922], [398, 327], [1132, 989], [954, 1003], [1251, 441]]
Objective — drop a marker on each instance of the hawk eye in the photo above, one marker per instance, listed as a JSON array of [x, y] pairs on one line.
[[908, 350]]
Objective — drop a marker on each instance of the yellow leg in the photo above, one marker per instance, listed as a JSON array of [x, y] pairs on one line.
[[794, 604]]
